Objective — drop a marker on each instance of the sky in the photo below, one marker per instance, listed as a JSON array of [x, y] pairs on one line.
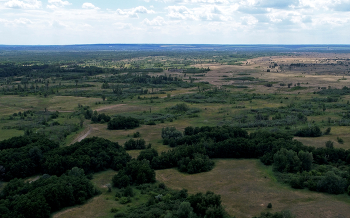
[[66, 22]]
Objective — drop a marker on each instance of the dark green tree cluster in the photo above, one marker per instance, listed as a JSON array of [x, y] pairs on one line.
[[91, 154], [179, 108], [22, 156], [313, 131], [133, 144], [100, 118], [199, 163], [135, 172], [121, 122], [148, 154], [45, 195], [170, 135], [291, 161]]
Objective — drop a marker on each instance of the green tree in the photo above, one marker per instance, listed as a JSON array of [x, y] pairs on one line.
[[306, 159], [286, 161]]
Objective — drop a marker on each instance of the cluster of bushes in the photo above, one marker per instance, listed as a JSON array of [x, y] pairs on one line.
[[148, 154], [135, 172], [91, 154], [100, 118], [344, 91], [195, 164], [313, 131], [179, 108], [120, 122], [321, 179], [135, 144], [170, 135], [164, 202], [45, 195], [291, 161]]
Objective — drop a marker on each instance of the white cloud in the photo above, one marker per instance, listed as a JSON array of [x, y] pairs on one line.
[[133, 12], [88, 5], [122, 26], [180, 13], [203, 13], [58, 24], [55, 4], [25, 4], [16, 22], [196, 1], [158, 21]]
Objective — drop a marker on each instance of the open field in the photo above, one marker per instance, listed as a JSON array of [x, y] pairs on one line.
[[247, 186]]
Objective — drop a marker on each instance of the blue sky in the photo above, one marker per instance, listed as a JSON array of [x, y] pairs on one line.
[[57, 22]]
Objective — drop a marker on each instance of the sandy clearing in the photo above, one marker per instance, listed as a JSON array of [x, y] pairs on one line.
[[109, 107]]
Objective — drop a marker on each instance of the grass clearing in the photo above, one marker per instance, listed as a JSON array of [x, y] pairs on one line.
[[247, 186], [9, 133], [337, 131]]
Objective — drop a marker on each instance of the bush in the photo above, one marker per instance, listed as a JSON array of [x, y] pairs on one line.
[[180, 108], [328, 131], [309, 132], [340, 140], [135, 172], [135, 144], [171, 133], [151, 123], [332, 184], [199, 163], [148, 154], [269, 205], [329, 144], [121, 122], [124, 200], [128, 192]]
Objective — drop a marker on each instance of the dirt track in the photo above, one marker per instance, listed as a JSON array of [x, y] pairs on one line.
[[109, 107], [82, 135]]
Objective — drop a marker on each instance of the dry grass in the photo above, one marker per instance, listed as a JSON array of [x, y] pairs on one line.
[[247, 186], [13, 104], [337, 131]]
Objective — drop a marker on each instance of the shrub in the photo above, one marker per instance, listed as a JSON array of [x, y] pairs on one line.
[[121, 122], [171, 133], [180, 108], [128, 192], [309, 132], [329, 144], [148, 154], [135, 172], [269, 205], [340, 140], [136, 134], [328, 131], [135, 144], [124, 200], [332, 184]]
